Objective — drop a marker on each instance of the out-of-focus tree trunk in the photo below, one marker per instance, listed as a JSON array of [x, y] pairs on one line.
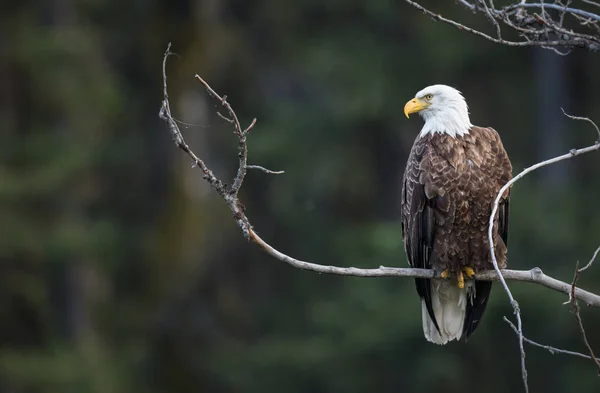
[[552, 85]]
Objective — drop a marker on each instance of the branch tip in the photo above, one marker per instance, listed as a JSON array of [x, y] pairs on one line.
[[581, 118], [247, 130], [263, 169]]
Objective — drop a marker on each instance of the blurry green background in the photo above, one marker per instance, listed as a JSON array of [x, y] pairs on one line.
[[121, 271]]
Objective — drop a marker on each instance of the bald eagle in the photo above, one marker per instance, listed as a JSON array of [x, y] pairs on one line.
[[453, 175]]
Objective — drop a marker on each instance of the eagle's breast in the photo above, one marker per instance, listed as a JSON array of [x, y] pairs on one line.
[[462, 175]]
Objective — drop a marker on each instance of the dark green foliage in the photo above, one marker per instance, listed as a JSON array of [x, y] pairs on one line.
[[120, 271]]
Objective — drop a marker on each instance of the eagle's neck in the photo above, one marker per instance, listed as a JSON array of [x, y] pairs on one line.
[[451, 120]]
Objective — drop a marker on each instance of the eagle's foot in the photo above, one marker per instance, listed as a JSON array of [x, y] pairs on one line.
[[461, 279], [469, 272], [445, 273]]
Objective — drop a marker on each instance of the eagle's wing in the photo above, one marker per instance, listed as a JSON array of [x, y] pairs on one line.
[[501, 172], [418, 222], [476, 307]]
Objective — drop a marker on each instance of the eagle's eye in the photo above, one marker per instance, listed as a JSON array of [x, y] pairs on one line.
[[428, 97]]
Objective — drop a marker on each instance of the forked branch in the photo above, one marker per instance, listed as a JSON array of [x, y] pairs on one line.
[[577, 313], [555, 24], [572, 153]]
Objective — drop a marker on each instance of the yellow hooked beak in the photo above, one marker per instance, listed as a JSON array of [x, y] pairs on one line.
[[415, 105]]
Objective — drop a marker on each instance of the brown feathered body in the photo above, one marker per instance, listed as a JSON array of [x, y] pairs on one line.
[[449, 187]]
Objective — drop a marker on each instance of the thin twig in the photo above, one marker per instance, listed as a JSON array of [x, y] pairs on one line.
[[222, 116], [591, 260], [260, 168], [578, 317], [581, 270], [591, 2], [165, 114], [552, 350], [230, 198], [574, 11], [563, 12], [468, 5], [242, 149], [183, 123], [491, 18], [584, 119]]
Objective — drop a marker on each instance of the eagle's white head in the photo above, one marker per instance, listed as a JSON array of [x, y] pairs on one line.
[[443, 108]]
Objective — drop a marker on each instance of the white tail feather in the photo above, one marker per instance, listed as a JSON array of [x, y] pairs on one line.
[[449, 303]]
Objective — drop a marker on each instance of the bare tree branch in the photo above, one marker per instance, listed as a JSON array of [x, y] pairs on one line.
[[576, 310], [555, 6], [584, 119], [534, 275], [591, 261], [552, 350], [547, 29], [229, 195], [591, 3], [260, 168], [572, 153], [242, 149]]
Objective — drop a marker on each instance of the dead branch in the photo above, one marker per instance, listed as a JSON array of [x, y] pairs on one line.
[[535, 275], [550, 25], [572, 153], [552, 350], [575, 306], [591, 261], [265, 170]]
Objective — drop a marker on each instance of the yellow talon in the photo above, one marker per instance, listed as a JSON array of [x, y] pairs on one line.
[[461, 280], [445, 273], [468, 271]]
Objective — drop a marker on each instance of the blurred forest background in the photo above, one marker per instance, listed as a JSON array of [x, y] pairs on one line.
[[121, 271]]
